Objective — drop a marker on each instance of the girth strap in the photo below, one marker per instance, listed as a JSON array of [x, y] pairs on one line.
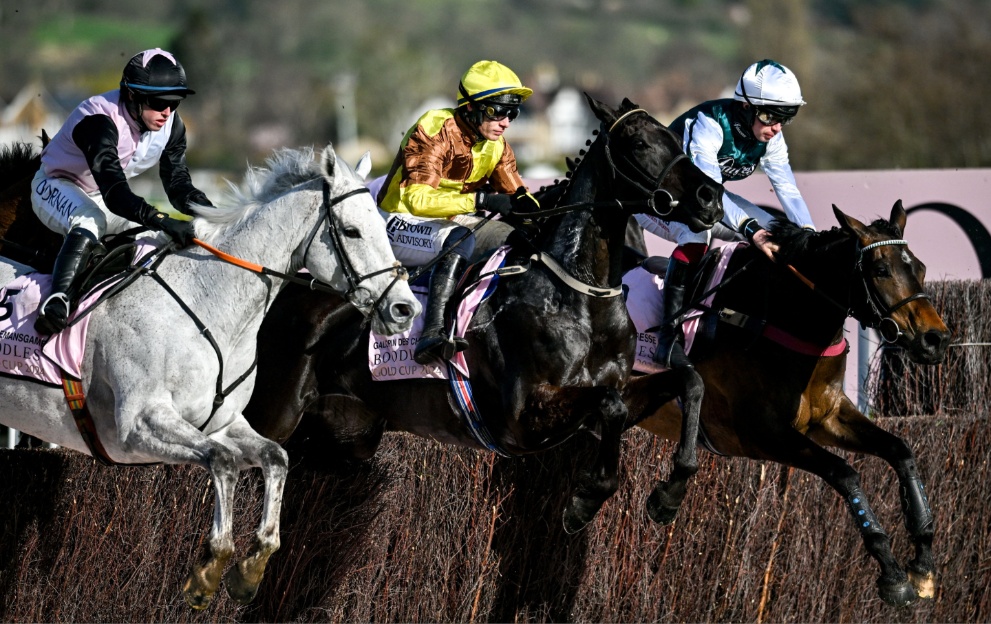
[[76, 400]]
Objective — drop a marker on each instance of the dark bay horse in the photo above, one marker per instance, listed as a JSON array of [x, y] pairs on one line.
[[770, 393], [22, 236], [547, 359]]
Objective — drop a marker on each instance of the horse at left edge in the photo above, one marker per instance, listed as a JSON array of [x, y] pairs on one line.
[[169, 360]]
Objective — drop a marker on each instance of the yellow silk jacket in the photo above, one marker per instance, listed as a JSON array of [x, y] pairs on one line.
[[439, 167]]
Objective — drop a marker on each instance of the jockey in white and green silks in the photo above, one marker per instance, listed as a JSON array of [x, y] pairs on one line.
[[728, 139]]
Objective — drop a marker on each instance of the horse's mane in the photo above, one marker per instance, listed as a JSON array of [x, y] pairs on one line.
[[17, 161], [795, 241], [285, 169]]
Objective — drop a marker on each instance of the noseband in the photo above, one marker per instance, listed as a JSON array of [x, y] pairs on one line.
[[644, 181], [881, 312]]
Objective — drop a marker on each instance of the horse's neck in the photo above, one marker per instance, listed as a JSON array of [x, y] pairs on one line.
[[271, 237], [585, 247], [815, 313]]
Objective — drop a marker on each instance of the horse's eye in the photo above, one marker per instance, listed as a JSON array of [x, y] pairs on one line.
[[352, 232], [881, 270]]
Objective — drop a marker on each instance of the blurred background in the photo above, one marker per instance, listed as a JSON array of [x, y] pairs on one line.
[[891, 84]]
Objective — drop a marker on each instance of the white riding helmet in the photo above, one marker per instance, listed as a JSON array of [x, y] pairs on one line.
[[772, 86]]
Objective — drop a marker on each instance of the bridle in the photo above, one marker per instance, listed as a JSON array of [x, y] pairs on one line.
[[357, 295], [879, 311], [643, 181]]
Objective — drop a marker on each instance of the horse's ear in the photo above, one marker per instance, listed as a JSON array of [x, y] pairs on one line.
[[628, 105], [898, 217], [603, 113], [45, 139], [328, 161], [850, 224], [364, 166]]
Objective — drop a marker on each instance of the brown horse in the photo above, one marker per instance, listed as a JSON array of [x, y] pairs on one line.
[[771, 394], [22, 236]]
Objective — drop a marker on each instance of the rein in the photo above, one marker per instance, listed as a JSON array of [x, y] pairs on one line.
[[358, 296], [880, 312], [645, 177]]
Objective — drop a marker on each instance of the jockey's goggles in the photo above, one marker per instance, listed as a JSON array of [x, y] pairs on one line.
[[159, 104], [769, 118], [497, 112]]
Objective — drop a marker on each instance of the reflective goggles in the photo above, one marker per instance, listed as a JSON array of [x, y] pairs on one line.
[[160, 104], [769, 119], [497, 112]]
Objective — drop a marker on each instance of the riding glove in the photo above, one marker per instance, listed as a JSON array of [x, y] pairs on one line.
[[749, 228], [494, 202], [181, 232], [524, 202]]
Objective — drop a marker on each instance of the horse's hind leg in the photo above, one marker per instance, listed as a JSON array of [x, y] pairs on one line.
[[790, 447], [852, 431], [243, 579], [664, 502]]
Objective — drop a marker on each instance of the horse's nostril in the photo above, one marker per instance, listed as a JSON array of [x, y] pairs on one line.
[[402, 310], [935, 339], [705, 195]]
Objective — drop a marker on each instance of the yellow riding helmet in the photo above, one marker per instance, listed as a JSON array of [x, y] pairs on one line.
[[489, 79]]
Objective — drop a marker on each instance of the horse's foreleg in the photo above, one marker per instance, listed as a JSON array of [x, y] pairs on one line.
[[204, 579], [599, 482], [790, 447], [852, 431], [664, 502], [243, 579], [599, 409]]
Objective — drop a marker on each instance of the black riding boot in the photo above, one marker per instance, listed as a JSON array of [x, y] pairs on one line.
[[670, 350], [72, 258], [434, 342]]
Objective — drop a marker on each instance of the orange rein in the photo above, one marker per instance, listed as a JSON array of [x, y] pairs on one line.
[[226, 257]]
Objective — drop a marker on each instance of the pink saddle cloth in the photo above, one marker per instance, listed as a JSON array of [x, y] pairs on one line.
[[391, 357], [23, 353], [645, 304]]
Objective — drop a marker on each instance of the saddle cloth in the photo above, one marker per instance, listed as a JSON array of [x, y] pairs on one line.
[[391, 357], [645, 303], [23, 353]]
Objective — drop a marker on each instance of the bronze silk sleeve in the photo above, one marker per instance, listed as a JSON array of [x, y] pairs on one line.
[[434, 172], [506, 178]]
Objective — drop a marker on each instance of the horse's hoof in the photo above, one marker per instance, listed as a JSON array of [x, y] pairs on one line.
[[195, 597], [658, 509], [238, 588], [900, 594], [924, 583], [577, 516]]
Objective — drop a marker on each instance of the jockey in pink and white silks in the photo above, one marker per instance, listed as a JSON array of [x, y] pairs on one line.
[[728, 139], [81, 189]]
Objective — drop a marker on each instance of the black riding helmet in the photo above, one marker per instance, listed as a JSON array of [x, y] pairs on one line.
[[153, 75]]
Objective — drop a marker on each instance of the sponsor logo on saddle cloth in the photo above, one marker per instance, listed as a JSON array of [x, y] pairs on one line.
[[645, 303], [23, 353], [391, 357]]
